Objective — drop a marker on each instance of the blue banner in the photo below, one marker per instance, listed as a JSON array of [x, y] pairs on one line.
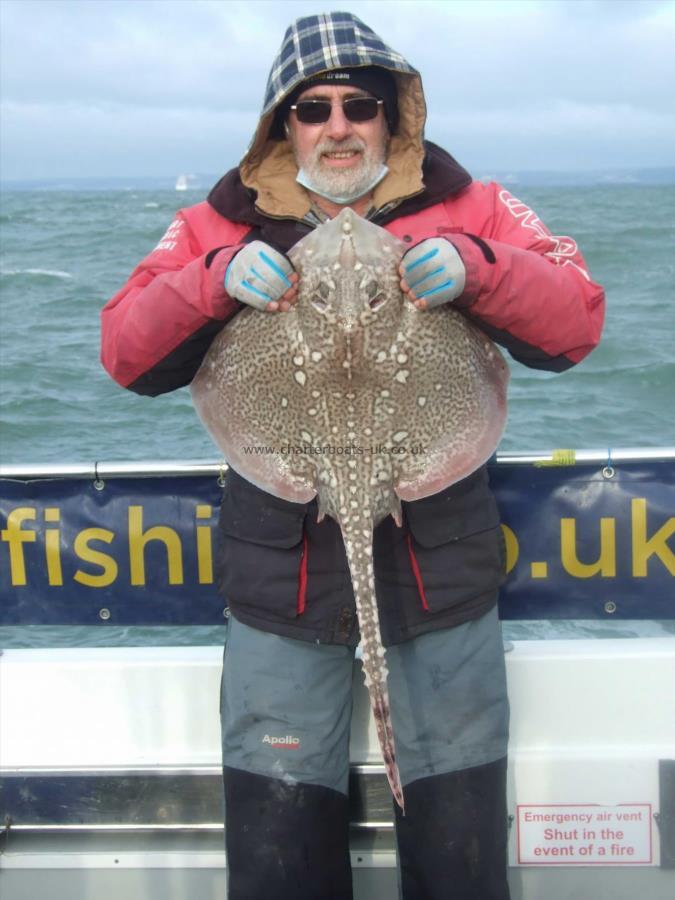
[[140, 551]]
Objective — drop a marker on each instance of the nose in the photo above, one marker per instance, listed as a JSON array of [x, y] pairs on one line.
[[339, 126]]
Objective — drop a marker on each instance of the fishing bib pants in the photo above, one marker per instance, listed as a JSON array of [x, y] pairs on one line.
[[286, 712]]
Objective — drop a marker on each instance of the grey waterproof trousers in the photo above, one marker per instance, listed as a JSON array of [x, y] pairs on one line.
[[286, 713]]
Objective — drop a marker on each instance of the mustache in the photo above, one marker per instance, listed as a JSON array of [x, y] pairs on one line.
[[331, 146]]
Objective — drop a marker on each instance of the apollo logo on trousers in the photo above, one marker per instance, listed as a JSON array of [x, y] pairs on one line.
[[288, 742]]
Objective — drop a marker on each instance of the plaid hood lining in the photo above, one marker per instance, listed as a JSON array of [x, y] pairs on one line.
[[322, 43], [317, 44]]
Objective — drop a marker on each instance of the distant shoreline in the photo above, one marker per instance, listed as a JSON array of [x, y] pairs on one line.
[[202, 183]]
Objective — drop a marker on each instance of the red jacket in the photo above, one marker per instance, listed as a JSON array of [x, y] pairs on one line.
[[528, 289]]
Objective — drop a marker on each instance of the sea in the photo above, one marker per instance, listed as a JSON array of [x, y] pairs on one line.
[[63, 253]]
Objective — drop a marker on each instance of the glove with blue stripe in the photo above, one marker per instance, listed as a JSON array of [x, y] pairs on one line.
[[432, 273], [261, 277]]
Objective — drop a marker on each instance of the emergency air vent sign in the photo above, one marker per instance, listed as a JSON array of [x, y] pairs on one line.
[[584, 835]]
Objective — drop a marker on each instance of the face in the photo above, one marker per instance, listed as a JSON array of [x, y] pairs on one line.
[[341, 158]]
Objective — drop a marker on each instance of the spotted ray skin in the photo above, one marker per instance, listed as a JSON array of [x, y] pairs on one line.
[[357, 397]]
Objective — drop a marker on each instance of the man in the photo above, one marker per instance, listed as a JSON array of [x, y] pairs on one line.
[[342, 125]]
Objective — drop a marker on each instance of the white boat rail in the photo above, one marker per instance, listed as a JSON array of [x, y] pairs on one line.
[[126, 469]]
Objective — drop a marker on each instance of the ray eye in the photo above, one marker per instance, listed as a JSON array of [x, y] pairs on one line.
[[374, 295], [320, 299]]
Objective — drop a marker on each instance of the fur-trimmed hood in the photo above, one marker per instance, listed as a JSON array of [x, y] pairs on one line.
[[323, 43]]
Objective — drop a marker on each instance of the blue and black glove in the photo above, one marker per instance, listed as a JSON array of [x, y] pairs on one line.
[[258, 275], [434, 271]]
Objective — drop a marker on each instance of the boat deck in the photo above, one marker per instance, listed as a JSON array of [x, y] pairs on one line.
[[110, 770]]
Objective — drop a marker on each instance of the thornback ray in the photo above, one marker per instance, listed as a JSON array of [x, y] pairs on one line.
[[357, 398]]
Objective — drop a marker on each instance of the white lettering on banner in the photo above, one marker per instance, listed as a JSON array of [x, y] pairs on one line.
[[288, 742], [585, 835], [168, 241], [563, 247]]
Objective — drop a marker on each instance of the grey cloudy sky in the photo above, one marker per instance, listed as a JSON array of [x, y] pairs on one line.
[[157, 87]]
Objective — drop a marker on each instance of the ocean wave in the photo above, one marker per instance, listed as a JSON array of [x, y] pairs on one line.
[[46, 273]]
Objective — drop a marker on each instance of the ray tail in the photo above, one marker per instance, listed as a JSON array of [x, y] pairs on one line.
[[379, 700], [358, 538]]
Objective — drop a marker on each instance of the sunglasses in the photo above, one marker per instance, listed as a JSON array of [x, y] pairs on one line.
[[356, 109]]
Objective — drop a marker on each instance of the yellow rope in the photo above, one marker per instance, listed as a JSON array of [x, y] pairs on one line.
[[559, 458]]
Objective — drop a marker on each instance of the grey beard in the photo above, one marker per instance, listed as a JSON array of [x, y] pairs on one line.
[[359, 189], [343, 186]]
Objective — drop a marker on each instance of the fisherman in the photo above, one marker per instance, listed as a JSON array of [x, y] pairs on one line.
[[342, 125]]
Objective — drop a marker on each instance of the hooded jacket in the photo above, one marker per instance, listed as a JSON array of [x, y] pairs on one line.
[[526, 288]]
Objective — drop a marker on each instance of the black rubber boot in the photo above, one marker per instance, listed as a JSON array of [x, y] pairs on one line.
[[285, 841], [452, 839]]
